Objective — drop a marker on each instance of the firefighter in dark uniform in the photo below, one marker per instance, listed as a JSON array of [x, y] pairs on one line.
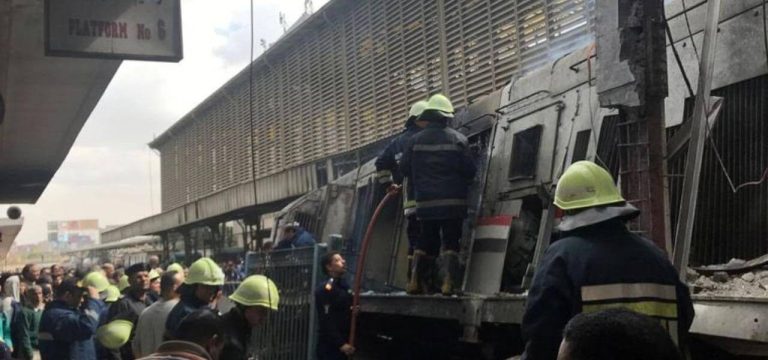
[[130, 306], [599, 264], [388, 172], [438, 163], [333, 300], [255, 298]]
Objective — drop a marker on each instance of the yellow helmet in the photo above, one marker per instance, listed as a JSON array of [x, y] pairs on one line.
[[115, 334], [113, 293], [123, 283], [175, 267], [442, 104], [153, 274], [96, 279], [417, 108], [205, 271], [257, 290], [584, 185]]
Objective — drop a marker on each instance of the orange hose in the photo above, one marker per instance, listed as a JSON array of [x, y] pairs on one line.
[[391, 193]]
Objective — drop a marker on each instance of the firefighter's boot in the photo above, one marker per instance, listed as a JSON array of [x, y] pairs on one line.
[[450, 272], [418, 267]]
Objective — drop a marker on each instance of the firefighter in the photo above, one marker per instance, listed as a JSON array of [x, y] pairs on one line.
[[130, 306], [599, 264], [200, 289], [255, 298], [388, 172], [438, 163], [333, 300], [154, 285]]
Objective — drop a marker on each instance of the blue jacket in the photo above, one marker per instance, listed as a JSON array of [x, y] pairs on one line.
[[67, 333], [598, 267], [302, 238], [440, 167], [187, 304]]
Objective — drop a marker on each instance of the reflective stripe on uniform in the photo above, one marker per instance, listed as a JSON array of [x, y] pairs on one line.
[[441, 202], [383, 176], [628, 291], [437, 147], [45, 336], [650, 308]]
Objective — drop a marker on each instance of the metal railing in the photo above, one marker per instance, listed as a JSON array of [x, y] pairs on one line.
[[291, 332]]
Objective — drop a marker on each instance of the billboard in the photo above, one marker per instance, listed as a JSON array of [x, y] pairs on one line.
[[74, 233], [114, 29]]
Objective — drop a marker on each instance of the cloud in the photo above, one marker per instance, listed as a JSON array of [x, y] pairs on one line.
[[108, 172]]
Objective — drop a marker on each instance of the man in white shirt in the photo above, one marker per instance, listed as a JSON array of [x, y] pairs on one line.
[[151, 325]]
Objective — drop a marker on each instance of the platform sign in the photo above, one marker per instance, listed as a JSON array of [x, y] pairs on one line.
[[114, 29]]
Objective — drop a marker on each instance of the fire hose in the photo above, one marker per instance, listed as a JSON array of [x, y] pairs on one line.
[[391, 193]]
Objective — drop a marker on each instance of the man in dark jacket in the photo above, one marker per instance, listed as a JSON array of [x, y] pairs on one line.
[[388, 172], [130, 306], [66, 328], [333, 301], [200, 289], [255, 298], [438, 163], [294, 236], [599, 264]]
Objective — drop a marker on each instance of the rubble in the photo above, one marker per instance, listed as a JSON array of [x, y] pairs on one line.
[[748, 284]]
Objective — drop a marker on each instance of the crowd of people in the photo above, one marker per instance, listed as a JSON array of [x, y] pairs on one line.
[[142, 311]]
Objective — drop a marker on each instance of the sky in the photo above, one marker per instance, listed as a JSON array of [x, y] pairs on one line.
[[110, 174]]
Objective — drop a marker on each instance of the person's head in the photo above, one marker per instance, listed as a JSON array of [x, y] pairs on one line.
[[57, 270], [588, 195], [290, 229], [616, 334], [205, 278], [438, 110], [255, 298], [205, 328], [153, 261], [138, 277], [333, 264], [413, 114], [34, 297], [109, 270], [45, 271], [267, 246], [169, 283], [70, 293], [154, 281], [47, 292], [30, 272]]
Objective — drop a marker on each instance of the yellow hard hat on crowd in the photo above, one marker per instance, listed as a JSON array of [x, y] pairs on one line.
[[114, 334], [441, 104], [96, 279], [584, 185], [257, 290], [123, 283], [417, 108], [175, 267], [113, 293], [206, 272], [153, 274]]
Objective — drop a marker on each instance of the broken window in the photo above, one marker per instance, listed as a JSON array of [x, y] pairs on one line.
[[525, 153], [581, 146]]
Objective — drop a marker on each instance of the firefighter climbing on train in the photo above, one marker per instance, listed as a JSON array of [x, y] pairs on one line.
[[598, 264], [333, 302], [388, 173], [438, 164]]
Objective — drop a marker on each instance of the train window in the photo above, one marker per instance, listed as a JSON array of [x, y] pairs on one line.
[[580, 148], [525, 153]]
